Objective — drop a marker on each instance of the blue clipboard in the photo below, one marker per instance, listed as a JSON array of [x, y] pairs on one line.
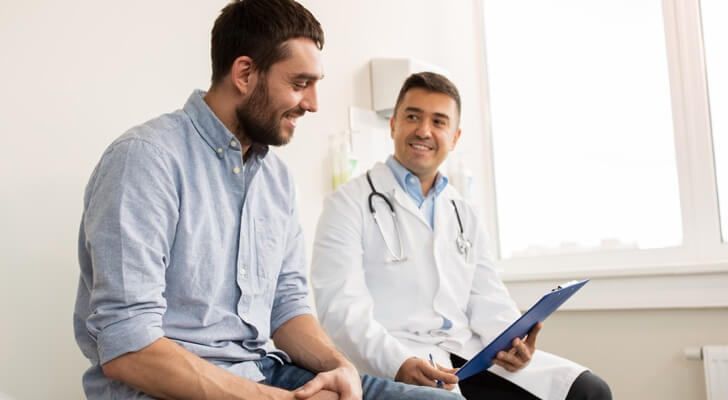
[[537, 313]]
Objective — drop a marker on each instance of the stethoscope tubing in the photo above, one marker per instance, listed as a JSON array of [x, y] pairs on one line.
[[462, 243], [396, 258]]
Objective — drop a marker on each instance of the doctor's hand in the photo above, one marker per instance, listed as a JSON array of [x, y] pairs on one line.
[[343, 380], [520, 354], [417, 371]]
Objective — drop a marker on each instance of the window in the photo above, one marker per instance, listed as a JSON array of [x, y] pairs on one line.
[[714, 14], [582, 127], [600, 126]]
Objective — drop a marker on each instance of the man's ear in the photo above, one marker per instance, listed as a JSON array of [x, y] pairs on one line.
[[391, 127], [455, 139], [243, 75]]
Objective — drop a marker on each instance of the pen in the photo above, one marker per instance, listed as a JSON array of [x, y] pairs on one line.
[[432, 362]]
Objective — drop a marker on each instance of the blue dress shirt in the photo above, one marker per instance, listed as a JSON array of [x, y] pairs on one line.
[[180, 239], [411, 184]]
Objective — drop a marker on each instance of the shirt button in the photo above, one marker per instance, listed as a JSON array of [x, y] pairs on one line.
[[233, 143], [236, 170], [219, 149], [412, 179]]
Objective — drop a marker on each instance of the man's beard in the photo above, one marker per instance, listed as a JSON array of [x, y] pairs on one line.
[[259, 122]]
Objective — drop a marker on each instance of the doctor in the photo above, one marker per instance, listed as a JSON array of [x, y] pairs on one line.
[[401, 269]]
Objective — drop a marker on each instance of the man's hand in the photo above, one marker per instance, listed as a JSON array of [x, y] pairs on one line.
[[417, 371], [520, 354], [343, 380], [274, 393]]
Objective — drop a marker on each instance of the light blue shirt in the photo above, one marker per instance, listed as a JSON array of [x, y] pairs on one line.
[[179, 239], [411, 184]]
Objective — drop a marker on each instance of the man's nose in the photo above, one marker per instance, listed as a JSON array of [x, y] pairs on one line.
[[310, 99], [424, 128]]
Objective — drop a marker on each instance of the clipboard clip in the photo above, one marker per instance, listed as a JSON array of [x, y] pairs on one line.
[[563, 285]]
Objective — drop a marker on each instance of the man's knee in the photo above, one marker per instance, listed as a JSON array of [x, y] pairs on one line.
[[588, 386], [422, 392], [383, 389]]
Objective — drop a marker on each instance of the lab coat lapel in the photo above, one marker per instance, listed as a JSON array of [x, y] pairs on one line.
[[408, 204]]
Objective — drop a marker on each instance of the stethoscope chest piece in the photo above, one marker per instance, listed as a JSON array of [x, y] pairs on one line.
[[463, 244]]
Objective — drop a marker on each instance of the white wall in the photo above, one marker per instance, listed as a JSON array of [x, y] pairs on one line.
[[77, 74], [74, 76], [639, 352]]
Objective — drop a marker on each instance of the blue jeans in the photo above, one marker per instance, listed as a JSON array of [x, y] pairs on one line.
[[290, 377]]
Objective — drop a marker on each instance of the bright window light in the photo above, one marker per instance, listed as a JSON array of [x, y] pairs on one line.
[[583, 142], [714, 14]]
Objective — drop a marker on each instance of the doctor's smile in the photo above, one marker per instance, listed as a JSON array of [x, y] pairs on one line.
[[421, 147]]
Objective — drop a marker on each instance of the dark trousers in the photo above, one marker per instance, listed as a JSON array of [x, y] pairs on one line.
[[487, 385]]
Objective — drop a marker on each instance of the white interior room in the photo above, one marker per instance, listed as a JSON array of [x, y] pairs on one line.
[[595, 133]]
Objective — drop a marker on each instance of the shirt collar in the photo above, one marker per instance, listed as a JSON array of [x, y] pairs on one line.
[[410, 182], [212, 130]]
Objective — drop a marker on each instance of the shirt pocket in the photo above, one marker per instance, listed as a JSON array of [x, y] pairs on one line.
[[270, 246]]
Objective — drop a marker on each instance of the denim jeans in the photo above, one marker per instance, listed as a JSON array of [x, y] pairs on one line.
[[290, 377]]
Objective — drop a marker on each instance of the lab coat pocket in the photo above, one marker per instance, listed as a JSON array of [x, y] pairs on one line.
[[269, 247], [462, 278]]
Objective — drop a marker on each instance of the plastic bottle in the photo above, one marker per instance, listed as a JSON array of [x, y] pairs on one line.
[[343, 161]]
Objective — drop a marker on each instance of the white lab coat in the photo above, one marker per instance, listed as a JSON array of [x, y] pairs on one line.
[[380, 313]]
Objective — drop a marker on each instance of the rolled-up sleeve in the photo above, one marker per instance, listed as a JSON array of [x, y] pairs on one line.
[[132, 209], [291, 296]]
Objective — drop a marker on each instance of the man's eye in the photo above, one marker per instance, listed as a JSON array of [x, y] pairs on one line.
[[301, 85], [439, 122], [412, 117]]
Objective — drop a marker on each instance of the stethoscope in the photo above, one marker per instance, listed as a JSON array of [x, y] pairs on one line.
[[461, 242]]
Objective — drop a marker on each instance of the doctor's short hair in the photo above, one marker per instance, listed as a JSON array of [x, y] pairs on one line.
[[431, 82], [258, 29]]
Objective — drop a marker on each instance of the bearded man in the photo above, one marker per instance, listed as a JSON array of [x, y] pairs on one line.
[[190, 249]]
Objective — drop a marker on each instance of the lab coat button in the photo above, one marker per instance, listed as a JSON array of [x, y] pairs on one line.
[[243, 272]]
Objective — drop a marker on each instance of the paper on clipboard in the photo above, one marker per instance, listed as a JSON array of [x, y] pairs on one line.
[[537, 313]]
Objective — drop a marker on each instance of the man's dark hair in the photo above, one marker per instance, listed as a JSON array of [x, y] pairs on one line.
[[258, 29], [431, 82]]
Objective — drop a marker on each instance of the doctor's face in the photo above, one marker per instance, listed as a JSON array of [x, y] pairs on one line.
[[424, 130]]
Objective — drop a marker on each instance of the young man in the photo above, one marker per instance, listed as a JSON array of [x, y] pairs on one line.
[[190, 250], [401, 269]]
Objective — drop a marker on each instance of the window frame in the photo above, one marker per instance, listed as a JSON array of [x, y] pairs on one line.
[[681, 276]]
